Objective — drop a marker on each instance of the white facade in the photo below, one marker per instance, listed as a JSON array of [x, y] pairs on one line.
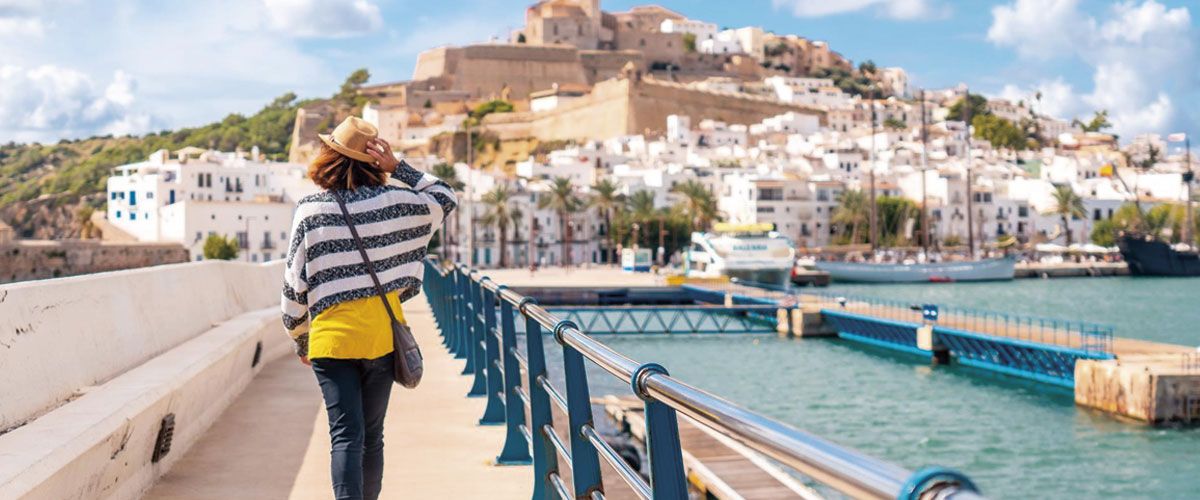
[[186, 200], [724, 42], [702, 30]]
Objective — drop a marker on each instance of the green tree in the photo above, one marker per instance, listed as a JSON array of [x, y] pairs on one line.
[[498, 212], [220, 248], [487, 108], [698, 204], [1000, 133], [607, 200], [867, 67], [894, 213], [852, 213], [563, 200], [1104, 232], [895, 124], [689, 42], [1098, 122], [347, 95], [1067, 205], [978, 107], [449, 175]]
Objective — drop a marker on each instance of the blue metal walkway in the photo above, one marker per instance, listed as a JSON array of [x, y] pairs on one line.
[[478, 317]]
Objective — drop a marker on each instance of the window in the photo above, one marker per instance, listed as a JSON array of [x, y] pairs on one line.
[[113, 195], [149, 195], [133, 197], [199, 236], [770, 194], [132, 215], [243, 240], [253, 257], [118, 214], [1022, 211], [1096, 214], [765, 210]]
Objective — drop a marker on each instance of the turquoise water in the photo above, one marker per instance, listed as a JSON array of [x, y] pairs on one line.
[[1015, 439]]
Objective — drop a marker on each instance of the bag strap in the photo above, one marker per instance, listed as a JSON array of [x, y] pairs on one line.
[[363, 251]]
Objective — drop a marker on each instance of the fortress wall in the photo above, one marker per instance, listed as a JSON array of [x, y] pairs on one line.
[[600, 65], [602, 114], [24, 260], [651, 103], [433, 63]]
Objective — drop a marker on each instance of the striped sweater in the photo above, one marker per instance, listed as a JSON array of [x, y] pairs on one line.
[[395, 222]]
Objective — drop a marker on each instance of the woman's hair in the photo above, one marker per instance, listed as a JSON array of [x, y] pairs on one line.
[[333, 170]]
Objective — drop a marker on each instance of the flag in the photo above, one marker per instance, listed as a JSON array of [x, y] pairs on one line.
[[1177, 137]]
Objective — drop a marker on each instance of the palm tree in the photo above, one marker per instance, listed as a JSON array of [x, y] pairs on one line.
[[607, 200], [498, 212], [516, 215], [562, 199], [641, 210], [1067, 204], [447, 174], [698, 204], [851, 212]]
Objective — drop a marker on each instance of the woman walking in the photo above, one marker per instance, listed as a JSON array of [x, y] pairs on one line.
[[331, 303]]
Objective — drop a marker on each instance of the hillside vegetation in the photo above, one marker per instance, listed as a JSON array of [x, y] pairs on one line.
[[44, 187]]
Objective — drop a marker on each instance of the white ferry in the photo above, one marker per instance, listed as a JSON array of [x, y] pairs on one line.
[[749, 252]]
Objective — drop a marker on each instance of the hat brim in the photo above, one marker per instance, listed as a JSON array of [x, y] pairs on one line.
[[357, 155]]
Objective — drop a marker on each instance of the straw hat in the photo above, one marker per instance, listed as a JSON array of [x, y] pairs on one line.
[[350, 138]]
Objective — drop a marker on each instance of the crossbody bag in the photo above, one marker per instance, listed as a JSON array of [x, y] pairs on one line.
[[407, 356]]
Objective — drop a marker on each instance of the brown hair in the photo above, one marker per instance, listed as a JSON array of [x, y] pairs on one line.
[[333, 170]]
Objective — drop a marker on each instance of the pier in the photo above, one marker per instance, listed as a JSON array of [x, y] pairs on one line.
[[1147, 381]]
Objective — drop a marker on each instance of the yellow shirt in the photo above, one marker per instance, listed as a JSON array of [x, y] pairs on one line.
[[358, 329]]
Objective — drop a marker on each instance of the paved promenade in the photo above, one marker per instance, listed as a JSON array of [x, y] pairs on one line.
[[273, 442]]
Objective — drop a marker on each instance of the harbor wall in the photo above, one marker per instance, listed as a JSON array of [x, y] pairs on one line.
[[23, 260], [1153, 389]]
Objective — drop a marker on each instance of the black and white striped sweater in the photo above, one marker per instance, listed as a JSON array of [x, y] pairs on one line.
[[395, 222]]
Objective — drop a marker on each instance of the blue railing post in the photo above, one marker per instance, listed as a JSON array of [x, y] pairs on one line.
[[493, 413], [545, 458], [516, 448], [667, 477], [585, 462], [476, 354], [460, 320]]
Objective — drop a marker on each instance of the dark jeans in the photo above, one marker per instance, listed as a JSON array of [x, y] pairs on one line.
[[356, 396]]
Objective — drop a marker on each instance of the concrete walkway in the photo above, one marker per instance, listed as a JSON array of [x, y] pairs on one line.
[[273, 442]]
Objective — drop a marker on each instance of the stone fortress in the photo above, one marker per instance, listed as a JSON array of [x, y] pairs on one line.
[[577, 72]]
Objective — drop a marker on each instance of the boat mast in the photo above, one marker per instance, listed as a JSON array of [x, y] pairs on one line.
[[874, 238], [1188, 177], [924, 173], [966, 114]]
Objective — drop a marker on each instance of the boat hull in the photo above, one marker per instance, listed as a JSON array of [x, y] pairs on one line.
[[941, 272], [1155, 258]]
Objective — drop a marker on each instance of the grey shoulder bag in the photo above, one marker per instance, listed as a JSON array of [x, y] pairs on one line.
[[407, 355]]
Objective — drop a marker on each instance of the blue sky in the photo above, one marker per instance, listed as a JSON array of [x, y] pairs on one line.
[[72, 68]]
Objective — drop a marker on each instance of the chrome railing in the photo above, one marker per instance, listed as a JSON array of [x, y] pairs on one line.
[[477, 318]]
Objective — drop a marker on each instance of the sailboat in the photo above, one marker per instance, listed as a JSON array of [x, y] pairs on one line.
[[1149, 256], [996, 269]]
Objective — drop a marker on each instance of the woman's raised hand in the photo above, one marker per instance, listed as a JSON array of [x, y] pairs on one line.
[[382, 152]]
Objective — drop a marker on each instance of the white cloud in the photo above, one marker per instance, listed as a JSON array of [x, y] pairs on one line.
[[52, 101], [21, 27], [1142, 56], [324, 18], [896, 9]]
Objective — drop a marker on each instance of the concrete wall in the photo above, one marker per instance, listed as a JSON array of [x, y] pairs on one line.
[[60, 336], [23, 260], [1150, 388]]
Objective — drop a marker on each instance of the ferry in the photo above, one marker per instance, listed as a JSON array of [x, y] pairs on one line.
[[753, 253]]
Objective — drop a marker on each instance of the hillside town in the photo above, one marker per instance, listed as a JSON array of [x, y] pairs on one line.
[[588, 132]]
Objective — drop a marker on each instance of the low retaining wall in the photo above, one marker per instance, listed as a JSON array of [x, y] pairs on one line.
[[1152, 389], [23, 260], [102, 445], [59, 337]]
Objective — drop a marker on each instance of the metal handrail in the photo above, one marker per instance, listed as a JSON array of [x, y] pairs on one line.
[[841, 468]]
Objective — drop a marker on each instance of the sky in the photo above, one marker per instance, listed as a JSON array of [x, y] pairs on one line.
[[77, 68]]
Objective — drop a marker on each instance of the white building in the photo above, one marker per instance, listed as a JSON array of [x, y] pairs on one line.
[[702, 30], [185, 200], [774, 198], [724, 42]]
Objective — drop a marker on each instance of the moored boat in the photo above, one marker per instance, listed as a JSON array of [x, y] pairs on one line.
[[1152, 257], [939, 272]]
